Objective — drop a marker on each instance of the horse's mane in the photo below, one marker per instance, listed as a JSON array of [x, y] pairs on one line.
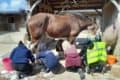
[[76, 14], [81, 16]]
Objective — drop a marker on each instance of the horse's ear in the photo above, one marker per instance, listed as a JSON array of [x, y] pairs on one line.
[[116, 4]]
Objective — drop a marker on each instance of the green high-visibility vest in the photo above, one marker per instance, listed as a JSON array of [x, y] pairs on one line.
[[97, 53]]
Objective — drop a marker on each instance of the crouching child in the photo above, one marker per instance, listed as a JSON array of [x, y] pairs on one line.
[[21, 57], [47, 59]]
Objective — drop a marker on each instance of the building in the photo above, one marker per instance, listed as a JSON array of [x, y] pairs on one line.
[[12, 14], [58, 5]]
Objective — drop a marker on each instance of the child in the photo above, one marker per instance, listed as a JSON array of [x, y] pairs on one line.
[[72, 58], [21, 57], [47, 58]]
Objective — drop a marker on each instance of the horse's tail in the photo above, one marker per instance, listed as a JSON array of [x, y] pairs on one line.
[[28, 33], [27, 27], [29, 16]]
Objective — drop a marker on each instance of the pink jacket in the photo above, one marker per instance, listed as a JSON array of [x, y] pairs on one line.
[[72, 58]]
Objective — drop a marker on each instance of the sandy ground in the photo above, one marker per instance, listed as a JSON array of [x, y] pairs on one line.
[[8, 40]]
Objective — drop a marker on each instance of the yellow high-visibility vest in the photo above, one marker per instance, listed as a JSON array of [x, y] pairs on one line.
[[97, 53]]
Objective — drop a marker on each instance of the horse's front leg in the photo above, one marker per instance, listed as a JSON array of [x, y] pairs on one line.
[[71, 39], [33, 47]]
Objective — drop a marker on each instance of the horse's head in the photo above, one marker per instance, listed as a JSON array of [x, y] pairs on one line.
[[93, 29], [84, 21]]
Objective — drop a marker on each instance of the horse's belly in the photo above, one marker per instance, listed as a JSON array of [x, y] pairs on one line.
[[58, 31], [57, 34]]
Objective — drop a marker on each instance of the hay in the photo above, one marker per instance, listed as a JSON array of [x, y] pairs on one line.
[[3, 78]]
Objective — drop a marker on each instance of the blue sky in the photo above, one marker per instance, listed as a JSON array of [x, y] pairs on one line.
[[13, 5]]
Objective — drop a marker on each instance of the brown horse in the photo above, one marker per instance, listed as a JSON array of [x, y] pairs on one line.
[[57, 26]]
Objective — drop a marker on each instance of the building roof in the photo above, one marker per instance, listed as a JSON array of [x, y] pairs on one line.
[[51, 6], [77, 4], [74, 4], [13, 6]]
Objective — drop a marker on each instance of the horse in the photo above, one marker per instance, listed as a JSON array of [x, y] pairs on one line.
[[57, 26], [111, 34]]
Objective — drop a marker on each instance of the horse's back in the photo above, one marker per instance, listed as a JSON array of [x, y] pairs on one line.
[[54, 25]]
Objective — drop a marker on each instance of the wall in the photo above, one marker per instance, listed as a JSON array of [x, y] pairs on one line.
[[8, 24]]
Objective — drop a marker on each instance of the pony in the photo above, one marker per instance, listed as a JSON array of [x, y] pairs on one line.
[[111, 34], [67, 25], [57, 26]]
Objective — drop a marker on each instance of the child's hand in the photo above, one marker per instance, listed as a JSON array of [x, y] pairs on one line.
[[33, 64], [38, 61], [79, 50]]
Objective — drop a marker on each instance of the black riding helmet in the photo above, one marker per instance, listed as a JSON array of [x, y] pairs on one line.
[[98, 37], [90, 44]]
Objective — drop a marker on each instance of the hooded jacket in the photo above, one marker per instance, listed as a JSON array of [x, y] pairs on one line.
[[21, 54], [72, 58], [48, 59]]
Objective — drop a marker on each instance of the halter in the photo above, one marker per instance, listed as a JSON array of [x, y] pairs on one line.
[[114, 26]]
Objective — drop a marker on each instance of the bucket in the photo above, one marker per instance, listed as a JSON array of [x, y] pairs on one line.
[[111, 59], [7, 63]]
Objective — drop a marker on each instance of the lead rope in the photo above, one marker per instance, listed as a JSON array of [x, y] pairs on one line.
[[114, 26]]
